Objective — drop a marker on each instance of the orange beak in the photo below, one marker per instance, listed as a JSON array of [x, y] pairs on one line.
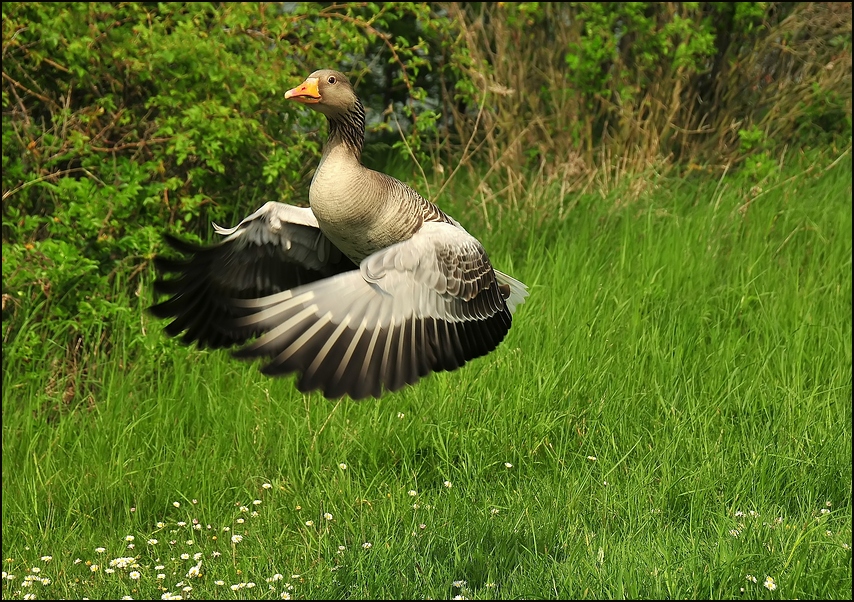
[[306, 92]]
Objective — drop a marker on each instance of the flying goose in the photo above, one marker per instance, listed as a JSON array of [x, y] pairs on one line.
[[369, 289]]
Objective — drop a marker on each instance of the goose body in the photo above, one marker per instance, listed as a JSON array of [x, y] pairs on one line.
[[369, 289]]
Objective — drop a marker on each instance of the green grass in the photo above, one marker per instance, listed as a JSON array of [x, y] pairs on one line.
[[673, 404]]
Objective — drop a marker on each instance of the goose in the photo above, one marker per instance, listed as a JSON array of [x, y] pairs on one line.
[[369, 289]]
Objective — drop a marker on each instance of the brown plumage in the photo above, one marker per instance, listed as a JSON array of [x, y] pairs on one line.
[[370, 289]]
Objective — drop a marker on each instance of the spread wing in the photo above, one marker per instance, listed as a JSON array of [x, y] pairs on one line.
[[277, 248], [430, 303]]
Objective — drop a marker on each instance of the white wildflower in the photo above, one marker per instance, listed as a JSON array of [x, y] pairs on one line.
[[194, 571]]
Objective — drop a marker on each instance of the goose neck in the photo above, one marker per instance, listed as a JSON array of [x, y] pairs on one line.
[[348, 130]]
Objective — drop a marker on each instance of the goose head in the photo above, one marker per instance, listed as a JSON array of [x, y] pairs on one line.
[[326, 91], [330, 92]]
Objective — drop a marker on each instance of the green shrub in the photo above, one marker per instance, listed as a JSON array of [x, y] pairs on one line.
[[125, 120], [569, 89]]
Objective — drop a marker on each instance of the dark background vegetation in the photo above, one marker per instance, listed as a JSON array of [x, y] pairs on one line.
[[125, 120]]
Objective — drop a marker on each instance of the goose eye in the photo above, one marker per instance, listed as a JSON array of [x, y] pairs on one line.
[[331, 79]]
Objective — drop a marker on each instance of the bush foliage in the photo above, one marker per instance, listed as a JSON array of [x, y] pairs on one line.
[[122, 120], [576, 87]]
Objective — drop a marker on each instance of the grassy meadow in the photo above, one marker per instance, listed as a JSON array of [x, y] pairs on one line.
[[669, 417]]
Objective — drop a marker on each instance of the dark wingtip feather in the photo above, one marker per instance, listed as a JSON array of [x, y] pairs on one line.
[[184, 246]]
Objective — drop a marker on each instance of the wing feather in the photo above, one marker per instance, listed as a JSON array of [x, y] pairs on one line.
[[275, 249], [427, 304], [278, 286]]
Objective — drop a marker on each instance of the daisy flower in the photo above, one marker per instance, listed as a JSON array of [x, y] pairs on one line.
[[770, 584]]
